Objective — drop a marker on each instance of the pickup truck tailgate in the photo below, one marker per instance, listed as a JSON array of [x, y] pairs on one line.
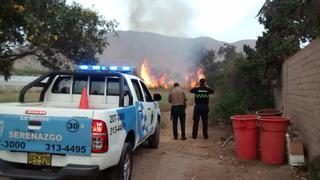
[[46, 133]]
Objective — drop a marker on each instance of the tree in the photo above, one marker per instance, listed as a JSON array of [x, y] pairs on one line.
[[56, 34], [238, 83], [287, 24], [246, 82], [228, 51], [208, 57], [222, 76], [282, 36], [310, 9]]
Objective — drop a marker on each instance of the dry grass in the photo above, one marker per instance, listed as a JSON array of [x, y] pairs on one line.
[[13, 95], [9, 96]]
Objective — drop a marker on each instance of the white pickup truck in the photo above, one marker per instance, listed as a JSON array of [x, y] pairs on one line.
[[56, 137]]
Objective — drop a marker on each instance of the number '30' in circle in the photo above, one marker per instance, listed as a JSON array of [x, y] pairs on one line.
[[72, 125]]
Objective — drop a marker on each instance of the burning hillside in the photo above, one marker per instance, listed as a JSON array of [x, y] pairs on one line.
[[163, 80]]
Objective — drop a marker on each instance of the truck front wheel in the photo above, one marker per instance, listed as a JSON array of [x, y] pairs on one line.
[[154, 139]]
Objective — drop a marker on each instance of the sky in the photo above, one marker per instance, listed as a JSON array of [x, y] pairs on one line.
[[224, 20]]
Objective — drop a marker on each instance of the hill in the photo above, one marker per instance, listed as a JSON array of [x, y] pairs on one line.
[[173, 55]]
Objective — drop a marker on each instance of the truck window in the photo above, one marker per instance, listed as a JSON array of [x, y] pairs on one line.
[[113, 87], [146, 92], [137, 89], [62, 85], [79, 82], [97, 85]]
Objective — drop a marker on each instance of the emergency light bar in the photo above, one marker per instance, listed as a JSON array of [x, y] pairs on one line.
[[122, 69]]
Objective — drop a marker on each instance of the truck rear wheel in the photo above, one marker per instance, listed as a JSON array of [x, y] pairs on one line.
[[155, 137], [123, 170]]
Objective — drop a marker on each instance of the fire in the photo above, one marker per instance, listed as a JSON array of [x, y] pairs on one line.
[[200, 75], [150, 79], [164, 81], [146, 75]]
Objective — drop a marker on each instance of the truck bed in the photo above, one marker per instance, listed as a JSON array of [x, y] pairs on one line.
[[59, 105]]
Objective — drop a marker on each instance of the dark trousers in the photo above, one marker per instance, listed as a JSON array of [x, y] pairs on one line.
[[200, 111], [178, 112]]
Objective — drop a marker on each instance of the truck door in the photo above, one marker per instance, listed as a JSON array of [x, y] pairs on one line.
[[142, 111], [149, 106]]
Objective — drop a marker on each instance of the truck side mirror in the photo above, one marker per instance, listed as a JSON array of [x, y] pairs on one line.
[[157, 97]]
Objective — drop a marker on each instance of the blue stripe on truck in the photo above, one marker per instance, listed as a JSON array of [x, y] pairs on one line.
[[56, 135], [134, 120], [128, 116]]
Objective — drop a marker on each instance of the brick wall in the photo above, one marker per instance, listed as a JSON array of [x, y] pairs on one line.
[[301, 95]]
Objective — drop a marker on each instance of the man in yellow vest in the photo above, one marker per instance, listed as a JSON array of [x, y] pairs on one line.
[[201, 108]]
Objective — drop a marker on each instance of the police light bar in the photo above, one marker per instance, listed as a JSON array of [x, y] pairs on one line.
[[113, 68], [122, 69], [96, 67], [126, 68], [83, 67]]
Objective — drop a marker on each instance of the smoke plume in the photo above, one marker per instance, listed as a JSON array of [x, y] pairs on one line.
[[171, 17]]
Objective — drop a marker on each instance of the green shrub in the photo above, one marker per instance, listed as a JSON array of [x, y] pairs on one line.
[[229, 104], [239, 84]]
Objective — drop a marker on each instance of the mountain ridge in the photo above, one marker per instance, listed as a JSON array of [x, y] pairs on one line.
[[175, 56], [164, 53]]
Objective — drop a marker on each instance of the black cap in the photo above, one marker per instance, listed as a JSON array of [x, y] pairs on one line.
[[202, 81], [176, 84]]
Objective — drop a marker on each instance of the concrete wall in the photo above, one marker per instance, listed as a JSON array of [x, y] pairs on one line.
[[301, 95]]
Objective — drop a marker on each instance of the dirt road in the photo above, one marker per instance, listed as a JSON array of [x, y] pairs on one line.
[[200, 159]]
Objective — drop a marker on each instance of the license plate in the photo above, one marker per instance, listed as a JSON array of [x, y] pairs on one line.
[[39, 159]]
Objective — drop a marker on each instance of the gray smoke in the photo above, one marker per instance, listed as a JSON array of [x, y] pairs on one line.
[[171, 17]]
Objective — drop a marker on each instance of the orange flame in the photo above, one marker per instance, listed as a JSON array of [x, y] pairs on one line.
[[150, 79], [146, 75], [195, 80], [200, 74], [163, 81]]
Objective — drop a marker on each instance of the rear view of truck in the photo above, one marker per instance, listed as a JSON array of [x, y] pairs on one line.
[[41, 137], [83, 123]]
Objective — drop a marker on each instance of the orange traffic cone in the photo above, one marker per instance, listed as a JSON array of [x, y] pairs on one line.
[[84, 103]]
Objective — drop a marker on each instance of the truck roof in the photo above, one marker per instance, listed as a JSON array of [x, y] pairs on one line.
[[50, 76]]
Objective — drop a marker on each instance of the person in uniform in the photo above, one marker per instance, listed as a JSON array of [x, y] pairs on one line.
[[177, 98], [201, 108]]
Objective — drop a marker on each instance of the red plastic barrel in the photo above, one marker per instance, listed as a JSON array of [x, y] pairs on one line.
[[272, 138], [246, 136], [269, 112]]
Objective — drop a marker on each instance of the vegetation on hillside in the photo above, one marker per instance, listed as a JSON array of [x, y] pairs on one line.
[[239, 90], [56, 34], [244, 82]]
